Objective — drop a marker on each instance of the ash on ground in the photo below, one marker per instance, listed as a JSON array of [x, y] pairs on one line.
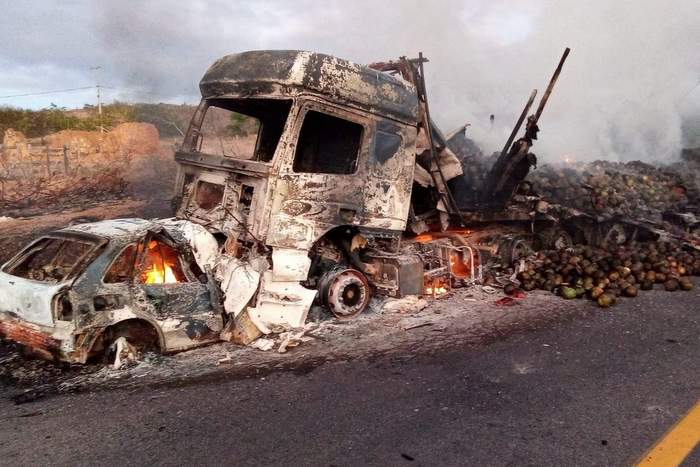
[[402, 329]]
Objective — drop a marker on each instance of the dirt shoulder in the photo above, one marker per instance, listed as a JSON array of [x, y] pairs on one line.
[[16, 233]]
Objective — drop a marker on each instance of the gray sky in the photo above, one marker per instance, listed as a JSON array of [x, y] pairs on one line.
[[629, 81]]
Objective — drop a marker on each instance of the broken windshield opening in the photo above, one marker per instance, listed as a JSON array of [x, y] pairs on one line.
[[52, 259], [247, 129]]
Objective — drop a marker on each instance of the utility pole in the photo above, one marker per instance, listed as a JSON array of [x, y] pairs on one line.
[[99, 100]]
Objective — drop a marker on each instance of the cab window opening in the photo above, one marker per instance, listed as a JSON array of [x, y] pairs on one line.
[[246, 129], [327, 145]]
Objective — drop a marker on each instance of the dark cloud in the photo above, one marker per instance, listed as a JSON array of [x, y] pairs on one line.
[[623, 92]]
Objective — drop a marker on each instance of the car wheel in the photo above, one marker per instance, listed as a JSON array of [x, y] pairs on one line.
[[129, 341]]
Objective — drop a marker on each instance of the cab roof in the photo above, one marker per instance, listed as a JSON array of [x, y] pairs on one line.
[[112, 228], [264, 73]]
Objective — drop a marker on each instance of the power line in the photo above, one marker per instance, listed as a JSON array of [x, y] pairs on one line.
[[692, 89], [57, 91]]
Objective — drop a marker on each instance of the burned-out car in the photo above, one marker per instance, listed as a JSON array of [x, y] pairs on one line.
[[70, 294]]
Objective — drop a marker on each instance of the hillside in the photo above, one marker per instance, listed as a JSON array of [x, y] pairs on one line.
[[170, 119], [167, 118]]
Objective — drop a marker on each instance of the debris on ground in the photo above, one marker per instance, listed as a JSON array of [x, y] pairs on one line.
[[124, 353], [469, 316], [513, 291], [227, 359], [411, 323], [263, 344], [408, 304], [295, 337], [506, 301]]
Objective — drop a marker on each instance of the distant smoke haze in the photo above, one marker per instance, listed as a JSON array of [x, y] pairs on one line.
[[628, 85]]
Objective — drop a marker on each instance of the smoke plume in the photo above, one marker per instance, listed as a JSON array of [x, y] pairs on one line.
[[629, 84]]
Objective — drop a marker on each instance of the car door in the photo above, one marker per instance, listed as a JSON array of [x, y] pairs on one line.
[[169, 285]]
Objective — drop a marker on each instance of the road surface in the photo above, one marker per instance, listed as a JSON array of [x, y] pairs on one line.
[[597, 390]]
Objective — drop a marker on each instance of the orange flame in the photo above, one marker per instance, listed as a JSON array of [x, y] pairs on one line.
[[435, 288], [160, 265], [439, 290], [428, 237], [160, 275]]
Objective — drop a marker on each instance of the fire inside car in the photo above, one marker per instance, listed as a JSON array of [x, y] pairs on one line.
[[161, 265]]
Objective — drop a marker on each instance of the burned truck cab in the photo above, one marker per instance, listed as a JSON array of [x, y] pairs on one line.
[[334, 145], [290, 148]]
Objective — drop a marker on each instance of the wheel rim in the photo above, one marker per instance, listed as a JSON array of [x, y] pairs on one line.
[[615, 236], [521, 250], [347, 294], [562, 241]]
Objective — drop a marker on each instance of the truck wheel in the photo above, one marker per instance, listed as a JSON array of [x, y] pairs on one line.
[[345, 292], [556, 239], [513, 249], [614, 236]]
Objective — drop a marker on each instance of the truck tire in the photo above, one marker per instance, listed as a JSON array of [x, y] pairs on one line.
[[513, 249], [555, 239], [345, 292]]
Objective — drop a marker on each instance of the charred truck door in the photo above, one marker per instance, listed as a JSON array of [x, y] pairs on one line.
[[321, 177], [390, 179], [346, 168]]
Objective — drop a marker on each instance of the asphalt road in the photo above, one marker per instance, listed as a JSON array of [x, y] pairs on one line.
[[597, 390]]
